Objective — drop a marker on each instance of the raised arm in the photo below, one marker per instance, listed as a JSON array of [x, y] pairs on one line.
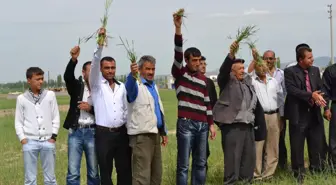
[[225, 69], [95, 73], [19, 119], [69, 74], [178, 51], [131, 84]]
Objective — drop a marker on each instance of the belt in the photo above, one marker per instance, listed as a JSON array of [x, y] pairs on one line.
[[86, 126], [111, 129], [272, 111]]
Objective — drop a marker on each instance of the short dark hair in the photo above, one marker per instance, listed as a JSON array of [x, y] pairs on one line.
[[192, 51], [107, 58], [203, 58], [85, 64], [33, 71], [300, 54]]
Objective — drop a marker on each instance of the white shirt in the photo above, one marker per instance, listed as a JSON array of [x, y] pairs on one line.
[[37, 121], [86, 118], [270, 94], [110, 105]]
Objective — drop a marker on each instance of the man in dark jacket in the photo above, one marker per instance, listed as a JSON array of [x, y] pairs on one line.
[[302, 109], [240, 117], [211, 91], [80, 122]]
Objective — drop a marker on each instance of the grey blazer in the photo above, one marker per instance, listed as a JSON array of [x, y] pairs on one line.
[[230, 100]]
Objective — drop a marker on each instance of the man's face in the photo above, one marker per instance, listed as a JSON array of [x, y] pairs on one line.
[[108, 69], [202, 66], [147, 71], [193, 63], [270, 59], [261, 70], [36, 82], [308, 59], [86, 72], [238, 71]]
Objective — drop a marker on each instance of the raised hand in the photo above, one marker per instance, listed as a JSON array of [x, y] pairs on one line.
[[177, 20], [254, 54], [101, 36], [234, 47], [75, 53], [134, 69]]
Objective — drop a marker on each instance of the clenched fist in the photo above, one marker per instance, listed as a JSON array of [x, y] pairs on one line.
[[75, 53]]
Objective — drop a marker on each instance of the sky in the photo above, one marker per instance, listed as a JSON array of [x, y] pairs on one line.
[[41, 33]]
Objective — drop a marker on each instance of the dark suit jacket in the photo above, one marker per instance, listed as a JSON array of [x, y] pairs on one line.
[[230, 100], [297, 101], [75, 88], [212, 92]]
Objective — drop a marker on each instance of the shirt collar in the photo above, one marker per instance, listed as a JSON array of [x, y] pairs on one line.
[[268, 78], [144, 81], [114, 80]]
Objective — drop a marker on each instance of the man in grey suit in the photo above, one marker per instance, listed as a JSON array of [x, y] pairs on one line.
[[240, 117]]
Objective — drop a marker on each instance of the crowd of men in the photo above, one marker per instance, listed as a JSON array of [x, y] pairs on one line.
[[125, 123]]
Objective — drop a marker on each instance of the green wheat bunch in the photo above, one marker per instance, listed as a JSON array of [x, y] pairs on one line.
[[244, 33], [131, 54]]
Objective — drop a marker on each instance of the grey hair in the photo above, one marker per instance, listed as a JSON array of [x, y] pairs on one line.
[[146, 58]]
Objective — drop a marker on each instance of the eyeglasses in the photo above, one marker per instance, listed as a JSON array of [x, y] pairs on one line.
[[269, 58]]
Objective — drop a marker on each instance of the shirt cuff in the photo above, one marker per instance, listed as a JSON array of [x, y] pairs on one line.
[[21, 137]]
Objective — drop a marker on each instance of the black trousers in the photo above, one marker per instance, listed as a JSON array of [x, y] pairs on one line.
[[332, 135], [239, 152], [308, 128], [114, 145], [282, 146]]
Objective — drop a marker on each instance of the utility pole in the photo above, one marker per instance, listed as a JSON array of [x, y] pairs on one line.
[[331, 34], [48, 85]]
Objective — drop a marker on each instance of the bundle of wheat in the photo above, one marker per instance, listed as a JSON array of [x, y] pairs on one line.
[[130, 52], [260, 65], [244, 34]]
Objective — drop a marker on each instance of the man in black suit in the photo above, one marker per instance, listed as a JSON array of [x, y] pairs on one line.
[[302, 109], [212, 94]]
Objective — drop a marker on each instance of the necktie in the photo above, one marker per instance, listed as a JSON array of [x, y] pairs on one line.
[[311, 102]]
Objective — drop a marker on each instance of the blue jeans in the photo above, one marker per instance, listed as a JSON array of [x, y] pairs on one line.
[[31, 151], [192, 137], [79, 140]]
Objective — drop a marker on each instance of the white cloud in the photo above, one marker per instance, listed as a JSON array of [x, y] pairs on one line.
[[253, 11]]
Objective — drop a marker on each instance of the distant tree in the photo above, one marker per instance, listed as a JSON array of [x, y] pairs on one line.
[[59, 80], [278, 62]]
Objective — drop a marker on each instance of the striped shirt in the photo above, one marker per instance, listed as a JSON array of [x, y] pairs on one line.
[[191, 89]]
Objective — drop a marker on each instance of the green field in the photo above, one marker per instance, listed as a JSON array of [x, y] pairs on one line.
[[11, 163]]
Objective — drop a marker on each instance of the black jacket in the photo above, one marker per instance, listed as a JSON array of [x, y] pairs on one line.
[[75, 88]]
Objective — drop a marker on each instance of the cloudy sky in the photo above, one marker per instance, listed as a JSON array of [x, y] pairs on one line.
[[41, 33]]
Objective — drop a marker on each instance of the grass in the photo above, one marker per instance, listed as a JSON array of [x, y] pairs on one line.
[[11, 163]]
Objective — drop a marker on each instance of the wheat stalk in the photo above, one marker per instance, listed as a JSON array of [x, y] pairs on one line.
[[244, 33], [102, 39], [131, 54], [259, 61], [278, 64], [181, 13]]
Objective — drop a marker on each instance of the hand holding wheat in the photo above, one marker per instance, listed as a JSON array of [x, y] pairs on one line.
[[75, 53], [233, 48], [134, 69], [102, 35], [177, 20]]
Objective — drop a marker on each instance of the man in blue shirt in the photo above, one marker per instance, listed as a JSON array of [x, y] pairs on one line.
[[145, 123]]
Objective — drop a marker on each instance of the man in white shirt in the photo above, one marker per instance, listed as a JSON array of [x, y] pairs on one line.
[[80, 122], [270, 95], [37, 122], [110, 107]]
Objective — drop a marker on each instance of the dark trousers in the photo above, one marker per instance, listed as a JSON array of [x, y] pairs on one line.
[[239, 152], [282, 146], [114, 145], [146, 159], [308, 128], [332, 135]]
